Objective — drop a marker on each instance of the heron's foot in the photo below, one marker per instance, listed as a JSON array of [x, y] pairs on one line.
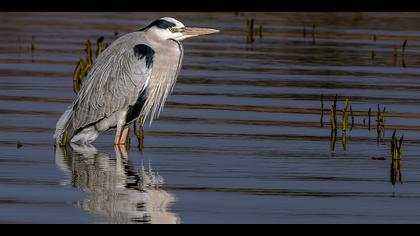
[[120, 151]]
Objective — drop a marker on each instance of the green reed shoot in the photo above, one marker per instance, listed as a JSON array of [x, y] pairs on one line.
[[33, 44], [403, 47], [403, 53], [345, 115], [333, 140], [128, 141], [100, 46], [333, 116], [88, 51], [395, 55], [380, 123], [373, 53], [19, 144], [395, 172], [396, 146], [139, 133], [83, 66], [345, 123], [352, 118], [344, 140], [396, 154]]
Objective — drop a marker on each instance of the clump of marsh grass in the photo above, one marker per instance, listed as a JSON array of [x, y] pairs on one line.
[[347, 112], [82, 67]]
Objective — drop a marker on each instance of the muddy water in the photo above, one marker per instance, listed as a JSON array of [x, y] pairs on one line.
[[239, 141]]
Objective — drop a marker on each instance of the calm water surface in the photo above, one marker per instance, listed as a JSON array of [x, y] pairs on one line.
[[239, 141]]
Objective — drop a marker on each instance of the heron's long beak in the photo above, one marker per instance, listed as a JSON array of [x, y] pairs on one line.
[[191, 32]]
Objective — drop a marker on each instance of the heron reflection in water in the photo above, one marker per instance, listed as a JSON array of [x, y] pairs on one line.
[[118, 192]]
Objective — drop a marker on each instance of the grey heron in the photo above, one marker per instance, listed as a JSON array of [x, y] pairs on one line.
[[131, 78]]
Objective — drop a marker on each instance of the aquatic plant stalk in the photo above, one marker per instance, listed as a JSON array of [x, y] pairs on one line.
[[396, 153], [345, 116], [352, 118], [250, 31], [333, 116]]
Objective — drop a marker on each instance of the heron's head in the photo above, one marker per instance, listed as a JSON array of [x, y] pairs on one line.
[[170, 28]]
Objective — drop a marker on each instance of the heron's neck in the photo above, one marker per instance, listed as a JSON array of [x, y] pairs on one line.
[[156, 40]]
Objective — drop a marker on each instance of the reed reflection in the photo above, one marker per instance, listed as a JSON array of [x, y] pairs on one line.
[[118, 192]]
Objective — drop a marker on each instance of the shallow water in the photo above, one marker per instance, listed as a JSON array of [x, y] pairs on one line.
[[240, 139]]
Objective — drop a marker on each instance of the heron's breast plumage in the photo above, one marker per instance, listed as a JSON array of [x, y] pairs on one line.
[[167, 61]]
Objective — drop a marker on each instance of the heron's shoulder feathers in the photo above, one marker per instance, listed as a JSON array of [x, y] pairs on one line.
[[143, 51]]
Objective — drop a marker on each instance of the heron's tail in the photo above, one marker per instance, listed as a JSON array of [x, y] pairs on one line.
[[63, 130]]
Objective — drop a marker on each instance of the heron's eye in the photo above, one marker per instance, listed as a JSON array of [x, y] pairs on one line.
[[175, 30]]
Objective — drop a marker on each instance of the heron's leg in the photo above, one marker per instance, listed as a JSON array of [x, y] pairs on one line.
[[124, 135], [117, 135], [120, 151], [120, 126], [123, 151]]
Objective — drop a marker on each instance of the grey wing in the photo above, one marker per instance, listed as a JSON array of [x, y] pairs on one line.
[[113, 83]]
